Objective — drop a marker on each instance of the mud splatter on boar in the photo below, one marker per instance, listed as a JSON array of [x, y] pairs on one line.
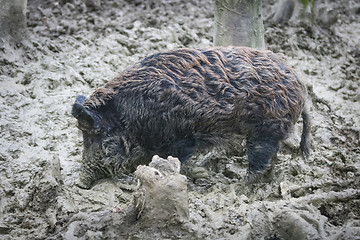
[[173, 103]]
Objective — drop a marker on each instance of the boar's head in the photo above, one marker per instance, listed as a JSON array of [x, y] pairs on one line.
[[107, 148]]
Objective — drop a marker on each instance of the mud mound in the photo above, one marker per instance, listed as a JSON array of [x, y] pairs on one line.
[[75, 46]]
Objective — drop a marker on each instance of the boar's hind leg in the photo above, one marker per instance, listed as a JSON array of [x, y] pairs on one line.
[[260, 150]]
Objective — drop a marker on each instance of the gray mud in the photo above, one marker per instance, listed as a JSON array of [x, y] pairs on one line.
[[76, 46]]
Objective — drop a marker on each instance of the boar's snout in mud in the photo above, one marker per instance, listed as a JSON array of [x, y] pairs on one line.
[[177, 102]]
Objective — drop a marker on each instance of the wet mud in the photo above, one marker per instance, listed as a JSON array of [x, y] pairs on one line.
[[76, 46]]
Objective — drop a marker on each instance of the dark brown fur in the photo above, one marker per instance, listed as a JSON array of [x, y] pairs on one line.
[[174, 102]]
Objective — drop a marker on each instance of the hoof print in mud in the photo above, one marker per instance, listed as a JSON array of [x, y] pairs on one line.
[[183, 101]]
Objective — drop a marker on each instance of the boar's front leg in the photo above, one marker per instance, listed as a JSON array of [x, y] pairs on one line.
[[183, 149], [89, 174], [86, 178], [260, 150]]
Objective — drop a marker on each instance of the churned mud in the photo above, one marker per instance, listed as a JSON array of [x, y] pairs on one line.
[[76, 46]]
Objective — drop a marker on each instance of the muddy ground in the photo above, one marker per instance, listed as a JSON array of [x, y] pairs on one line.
[[75, 46]]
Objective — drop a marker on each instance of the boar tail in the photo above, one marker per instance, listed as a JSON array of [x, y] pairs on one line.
[[305, 136]]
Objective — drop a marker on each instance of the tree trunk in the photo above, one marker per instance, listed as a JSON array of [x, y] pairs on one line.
[[239, 23], [284, 11], [12, 19]]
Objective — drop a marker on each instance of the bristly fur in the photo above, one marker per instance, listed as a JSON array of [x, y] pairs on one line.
[[173, 102]]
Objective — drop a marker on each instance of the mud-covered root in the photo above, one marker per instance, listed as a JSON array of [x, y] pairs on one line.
[[305, 136], [46, 187], [291, 225], [162, 197]]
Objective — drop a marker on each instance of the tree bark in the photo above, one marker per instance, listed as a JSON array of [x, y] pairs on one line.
[[284, 11], [239, 23], [12, 19]]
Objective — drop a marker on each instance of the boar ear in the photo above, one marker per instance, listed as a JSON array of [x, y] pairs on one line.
[[80, 99], [85, 117]]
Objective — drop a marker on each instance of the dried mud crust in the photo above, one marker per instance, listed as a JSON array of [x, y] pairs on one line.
[[75, 46]]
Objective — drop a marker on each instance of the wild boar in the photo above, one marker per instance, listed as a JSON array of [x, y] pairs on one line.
[[173, 103]]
